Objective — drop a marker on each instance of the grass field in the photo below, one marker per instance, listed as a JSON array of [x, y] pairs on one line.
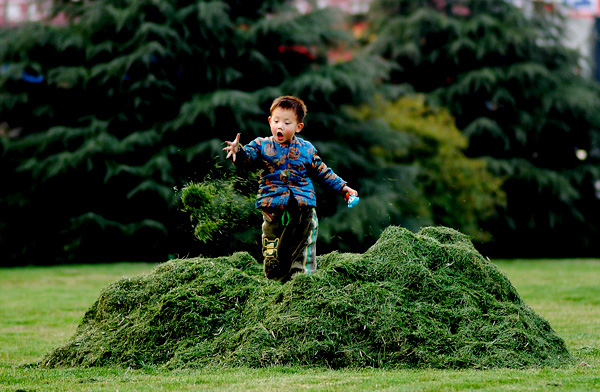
[[40, 308]]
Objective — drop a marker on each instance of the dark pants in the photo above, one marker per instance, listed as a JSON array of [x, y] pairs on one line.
[[289, 239]]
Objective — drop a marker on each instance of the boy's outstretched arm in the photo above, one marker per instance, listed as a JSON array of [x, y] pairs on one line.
[[232, 147], [327, 177]]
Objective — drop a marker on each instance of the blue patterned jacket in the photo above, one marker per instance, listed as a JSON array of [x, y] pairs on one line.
[[287, 170]]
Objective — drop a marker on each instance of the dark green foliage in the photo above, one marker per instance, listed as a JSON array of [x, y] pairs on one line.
[[517, 93], [107, 115], [412, 300], [444, 186]]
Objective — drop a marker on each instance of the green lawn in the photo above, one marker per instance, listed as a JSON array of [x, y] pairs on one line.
[[40, 308]]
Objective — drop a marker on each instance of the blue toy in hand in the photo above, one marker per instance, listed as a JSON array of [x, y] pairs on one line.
[[353, 200]]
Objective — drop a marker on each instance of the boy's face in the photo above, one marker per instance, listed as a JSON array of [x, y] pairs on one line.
[[284, 125]]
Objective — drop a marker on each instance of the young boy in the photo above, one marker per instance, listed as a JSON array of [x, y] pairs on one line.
[[286, 194]]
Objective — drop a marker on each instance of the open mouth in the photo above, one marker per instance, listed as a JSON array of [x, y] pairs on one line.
[[279, 135]]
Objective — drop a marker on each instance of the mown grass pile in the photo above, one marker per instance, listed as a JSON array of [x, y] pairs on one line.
[[412, 300]]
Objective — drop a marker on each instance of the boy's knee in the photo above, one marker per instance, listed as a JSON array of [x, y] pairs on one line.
[[270, 247]]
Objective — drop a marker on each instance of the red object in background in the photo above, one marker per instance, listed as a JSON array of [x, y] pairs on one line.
[[359, 28], [301, 49], [339, 55], [461, 10]]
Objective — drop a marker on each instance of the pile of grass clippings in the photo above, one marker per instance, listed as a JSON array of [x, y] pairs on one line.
[[412, 300]]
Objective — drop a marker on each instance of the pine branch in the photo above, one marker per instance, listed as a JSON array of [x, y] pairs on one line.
[[485, 125], [127, 229], [165, 192], [206, 105]]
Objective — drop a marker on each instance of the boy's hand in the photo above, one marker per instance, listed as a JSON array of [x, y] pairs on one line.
[[347, 191], [233, 147], [351, 196]]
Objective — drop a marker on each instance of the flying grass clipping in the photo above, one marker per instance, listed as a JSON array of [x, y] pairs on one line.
[[411, 301]]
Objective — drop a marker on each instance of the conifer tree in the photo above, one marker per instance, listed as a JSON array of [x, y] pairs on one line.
[[132, 99], [107, 116], [517, 94]]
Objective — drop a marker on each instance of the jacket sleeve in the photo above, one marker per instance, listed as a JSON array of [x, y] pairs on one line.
[[325, 175], [248, 154]]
